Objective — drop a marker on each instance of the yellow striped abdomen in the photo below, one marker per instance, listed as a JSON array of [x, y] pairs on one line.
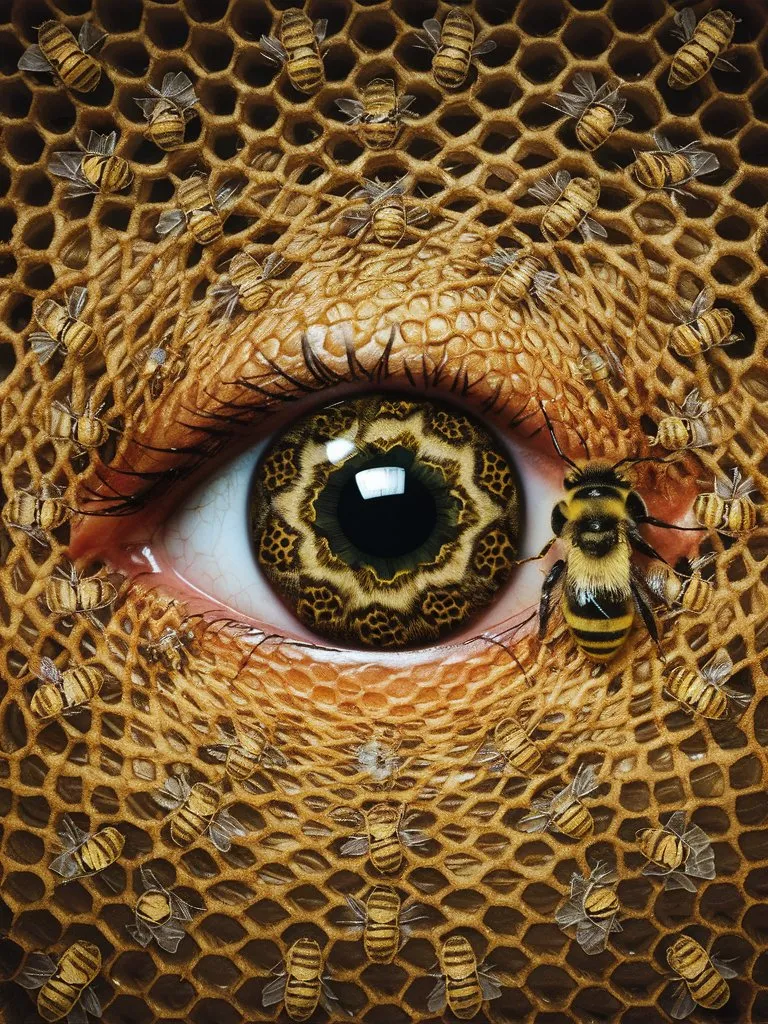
[[599, 628]]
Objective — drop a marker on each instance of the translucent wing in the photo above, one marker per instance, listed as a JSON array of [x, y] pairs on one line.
[[49, 671], [592, 937], [355, 846], [685, 22], [489, 985], [569, 914], [741, 488], [663, 145], [178, 87], [225, 298], [173, 793], [273, 50], [170, 221], [273, 264], [537, 821], [723, 967], [223, 828], [584, 83], [544, 282], [66, 165], [701, 303], [226, 193], [77, 1014], [320, 29], [33, 59], [139, 932], [724, 65], [102, 145], [397, 188], [584, 781], [64, 865], [90, 1002], [413, 836], [70, 835], [357, 909], [676, 824], [700, 862], [436, 998], [169, 936], [273, 991], [37, 970], [404, 103], [354, 109], [76, 302], [147, 105], [675, 880], [703, 162], [328, 999], [692, 404], [683, 1004], [89, 36], [433, 32], [549, 189], [43, 345], [718, 668], [590, 228], [484, 47], [700, 433]]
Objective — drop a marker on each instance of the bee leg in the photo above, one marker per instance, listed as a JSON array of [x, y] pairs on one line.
[[653, 521], [541, 554], [640, 544], [545, 605], [642, 600]]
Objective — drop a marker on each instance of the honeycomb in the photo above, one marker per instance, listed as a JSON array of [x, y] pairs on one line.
[[354, 731]]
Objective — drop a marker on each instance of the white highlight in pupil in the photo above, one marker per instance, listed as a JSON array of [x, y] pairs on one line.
[[380, 482]]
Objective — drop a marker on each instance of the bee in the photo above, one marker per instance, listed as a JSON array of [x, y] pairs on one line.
[[702, 46], [65, 987], [171, 648], [168, 110], [199, 208], [385, 838], [703, 978], [676, 853], [65, 692], [162, 366], [95, 168], [58, 52], [570, 201], [703, 692], [62, 328], [36, 514], [729, 507], [592, 907], [384, 923], [691, 593], [245, 753], [599, 588], [671, 167], [598, 112], [70, 592], [248, 283], [686, 426], [379, 116], [86, 853], [85, 430], [598, 367], [386, 212], [298, 48], [521, 274], [302, 984], [701, 328], [462, 983], [159, 915], [510, 748], [563, 811], [197, 812], [453, 46]]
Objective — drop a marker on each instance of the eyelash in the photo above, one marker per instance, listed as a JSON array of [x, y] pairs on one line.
[[284, 389]]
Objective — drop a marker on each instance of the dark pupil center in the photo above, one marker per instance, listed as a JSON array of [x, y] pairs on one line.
[[386, 512]]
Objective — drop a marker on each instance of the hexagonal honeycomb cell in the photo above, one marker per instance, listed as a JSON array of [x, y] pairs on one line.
[[307, 751]]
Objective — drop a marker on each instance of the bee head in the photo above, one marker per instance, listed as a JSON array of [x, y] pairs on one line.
[[596, 534]]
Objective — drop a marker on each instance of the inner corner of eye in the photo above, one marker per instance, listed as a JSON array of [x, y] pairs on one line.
[[383, 521]]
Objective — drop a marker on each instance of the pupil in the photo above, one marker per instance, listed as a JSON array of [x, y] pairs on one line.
[[386, 511]]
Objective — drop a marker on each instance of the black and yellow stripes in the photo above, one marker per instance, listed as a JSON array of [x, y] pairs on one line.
[[599, 627]]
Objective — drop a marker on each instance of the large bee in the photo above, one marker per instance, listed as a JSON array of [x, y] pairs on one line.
[[160, 915], [302, 984], [598, 112], [95, 168], [564, 811], [729, 508], [599, 587], [702, 977], [168, 110], [197, 811], [385, 837], [298, 48], [521, 274], [380, 115], [385, 211], [687, 425], [453, 45], [247, 283], [65, 692], [244, 753], [676, 853], [62, 328], [85, 429], [509, 748], [199, 208], [68, 592], [58, 52], [65, 987], [570, 201], [686, 593], [702, 46], [462, 983], [701, 328], [671, 167], [86, 853], [384, 923], [592, 908], [36, 514], [703, 693]]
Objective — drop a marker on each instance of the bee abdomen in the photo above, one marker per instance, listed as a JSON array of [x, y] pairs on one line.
[[386, 854], [464, 997], [599, 631], [595, 125], [577, 201], [381, 941]]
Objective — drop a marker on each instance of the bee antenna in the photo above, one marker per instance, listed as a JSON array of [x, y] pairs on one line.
[[629, 461], [555, 442]]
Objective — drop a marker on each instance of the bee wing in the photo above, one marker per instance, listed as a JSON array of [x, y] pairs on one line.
[[70, 835], [742, 488], [37, 970], [66, 165], [584, 781], [218, 751], [700, 433], [723, 65], [719, 667], [683, 1004], [76, 301], [102, 145], [223, 828], [663, 145], [676, 824], [700, 862], [43, 345], [724, 967], [273, 49], [544, 282], [676, 880], [355, 846], [414, 836], [357, 909], [169, 936], [584, 83], [702, 162], [33, 59], [273, 264], [169, 222], [175, 790], [436, 998], [685, 24], [592, 937], [273, 991], [49, 671], [489, 983], [139, 932], [590, 228], [536, 821], [548, 190], [569, 914], [178, 87], [603, 874], [354, 109], [702, 303], [89, 36], [488, 753], [226, 194], [64, 865], [320, 29], [404, 103], [432, 33], [412, 915], [484, 47], [147, 105]]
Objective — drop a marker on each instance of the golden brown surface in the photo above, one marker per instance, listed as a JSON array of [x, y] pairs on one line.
[[471, 155]]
